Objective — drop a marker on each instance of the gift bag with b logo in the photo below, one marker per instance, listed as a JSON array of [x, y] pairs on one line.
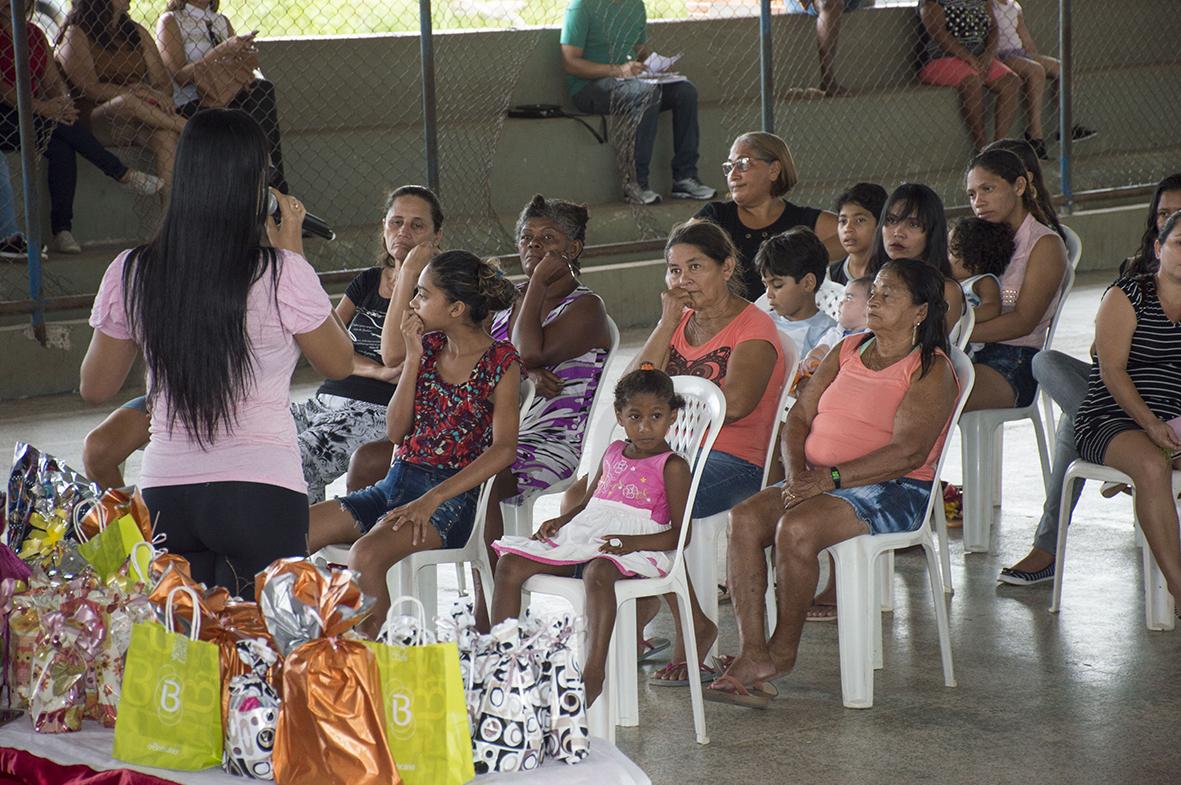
[[425, 713], [170, 709]]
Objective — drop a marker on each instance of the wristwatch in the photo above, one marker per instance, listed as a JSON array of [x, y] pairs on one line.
[[835, 474]]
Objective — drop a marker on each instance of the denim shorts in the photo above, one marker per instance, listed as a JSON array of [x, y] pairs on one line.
[[139, 404], [796, 7], [725, 481], [406, 482], [1015, 363], [888, 507]]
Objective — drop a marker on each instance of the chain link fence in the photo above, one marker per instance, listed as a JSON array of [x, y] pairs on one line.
[[348, 94]]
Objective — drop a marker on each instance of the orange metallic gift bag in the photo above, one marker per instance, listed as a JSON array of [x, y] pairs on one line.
[[331, 724]]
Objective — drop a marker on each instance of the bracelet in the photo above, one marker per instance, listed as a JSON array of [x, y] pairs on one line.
[[835, 474]]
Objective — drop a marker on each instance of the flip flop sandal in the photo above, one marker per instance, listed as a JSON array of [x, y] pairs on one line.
[[731, 691], [653, 647], [821, 612], [706, 674]]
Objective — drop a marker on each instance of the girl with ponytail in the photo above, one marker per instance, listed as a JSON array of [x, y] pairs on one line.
[[1000, 191], [453, 418]]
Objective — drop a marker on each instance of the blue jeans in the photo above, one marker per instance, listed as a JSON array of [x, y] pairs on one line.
[[406, 482], [8, 225], [725, 481], [1065, 379], [640, 104]]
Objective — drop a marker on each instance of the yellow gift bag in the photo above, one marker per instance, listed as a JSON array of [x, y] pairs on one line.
[[170, 709], [425, 712]]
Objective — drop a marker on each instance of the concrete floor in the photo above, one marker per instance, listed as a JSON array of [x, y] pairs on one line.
[[1085, 696]]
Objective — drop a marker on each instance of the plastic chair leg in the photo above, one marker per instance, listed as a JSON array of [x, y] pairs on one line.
[[886, 581], [626, 693], [1043, 448], [977, 451], [941, 619], [771, 604], [1159, 613], [701, 565], [940, 516], [855, 611], [998, 454], [1063, 527], [692, 658]]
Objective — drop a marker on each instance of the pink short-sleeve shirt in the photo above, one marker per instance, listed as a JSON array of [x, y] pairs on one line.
[[261, 447]]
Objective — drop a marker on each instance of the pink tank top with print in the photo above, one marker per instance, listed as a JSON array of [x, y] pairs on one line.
[[1026, 238], [636, 482]]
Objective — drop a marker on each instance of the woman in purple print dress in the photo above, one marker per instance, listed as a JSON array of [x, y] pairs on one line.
[[560, 328]]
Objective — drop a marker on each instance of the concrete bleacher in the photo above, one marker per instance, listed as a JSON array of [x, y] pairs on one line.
[[352, 118]]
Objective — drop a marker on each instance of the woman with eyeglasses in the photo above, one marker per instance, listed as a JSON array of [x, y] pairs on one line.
[[760, 173], [213, 66]]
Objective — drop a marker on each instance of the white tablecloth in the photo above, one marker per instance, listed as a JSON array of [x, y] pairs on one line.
[[92, 747]]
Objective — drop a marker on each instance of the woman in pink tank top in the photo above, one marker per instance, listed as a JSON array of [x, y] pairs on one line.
[[1001, 190], [860, 449]]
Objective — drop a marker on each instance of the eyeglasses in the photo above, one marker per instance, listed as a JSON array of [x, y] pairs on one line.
[[741, 164]]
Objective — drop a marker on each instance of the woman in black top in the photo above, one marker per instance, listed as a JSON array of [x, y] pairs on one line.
[[760, 173], [345, 414]]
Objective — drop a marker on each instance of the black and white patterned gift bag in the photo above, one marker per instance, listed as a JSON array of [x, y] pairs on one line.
[[252, 716], [506, 734]]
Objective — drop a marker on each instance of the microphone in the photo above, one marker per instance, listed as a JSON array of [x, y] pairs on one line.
[[313, 226]]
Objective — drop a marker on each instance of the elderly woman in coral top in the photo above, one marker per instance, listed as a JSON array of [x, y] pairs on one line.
[[852, 469]]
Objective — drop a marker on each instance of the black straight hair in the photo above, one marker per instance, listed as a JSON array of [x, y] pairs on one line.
[[925, 285], [918, 200], [871, 197], [1145, 259], [186, 289], [794, 254], [96, 18]]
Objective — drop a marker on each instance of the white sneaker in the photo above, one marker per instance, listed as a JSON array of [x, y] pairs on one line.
[[142, 183], [692, 188], [64, 242], [635, 194]]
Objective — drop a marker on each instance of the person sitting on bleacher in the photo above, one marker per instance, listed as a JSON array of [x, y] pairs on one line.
[[124, 92], [1031, 287], [59, 134], [604, 51], [853, 468], [760, 173], [961, 51]]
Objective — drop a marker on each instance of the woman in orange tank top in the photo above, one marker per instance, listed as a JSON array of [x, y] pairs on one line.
[[859, 448]]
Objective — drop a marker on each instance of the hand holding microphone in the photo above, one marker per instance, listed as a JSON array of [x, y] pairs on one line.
[[311, 225]]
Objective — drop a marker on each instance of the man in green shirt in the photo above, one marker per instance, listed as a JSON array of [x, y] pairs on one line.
[[603, 53]]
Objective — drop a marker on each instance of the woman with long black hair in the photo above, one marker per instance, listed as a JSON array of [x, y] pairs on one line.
[[221, 319]]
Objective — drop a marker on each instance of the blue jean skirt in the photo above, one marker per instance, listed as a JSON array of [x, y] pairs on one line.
[[888, 507], [406, 482]]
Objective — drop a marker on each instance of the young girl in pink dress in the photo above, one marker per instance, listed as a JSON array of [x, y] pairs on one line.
[[623, 529]]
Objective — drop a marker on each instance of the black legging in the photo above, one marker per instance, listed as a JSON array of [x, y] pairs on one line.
[[259, 102], [229, 531], [64, 141]]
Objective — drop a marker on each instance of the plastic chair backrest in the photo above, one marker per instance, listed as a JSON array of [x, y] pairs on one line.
[[829, 297], [693, 435], [1074, 246], [1067, 285], [785, 400], [961, 333], [965, 374], [595, 440]]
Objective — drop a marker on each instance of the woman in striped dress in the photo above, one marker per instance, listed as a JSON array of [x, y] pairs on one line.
[[1130, 417]]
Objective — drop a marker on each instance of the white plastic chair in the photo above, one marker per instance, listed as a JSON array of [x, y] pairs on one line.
[[961, 333], [1159, 609], [701, 557], [982, 445], [860, 580], [404, 578], [692, 436], [518, 519]]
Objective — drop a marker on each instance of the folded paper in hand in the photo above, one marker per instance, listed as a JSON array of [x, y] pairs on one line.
[[658, 72]]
